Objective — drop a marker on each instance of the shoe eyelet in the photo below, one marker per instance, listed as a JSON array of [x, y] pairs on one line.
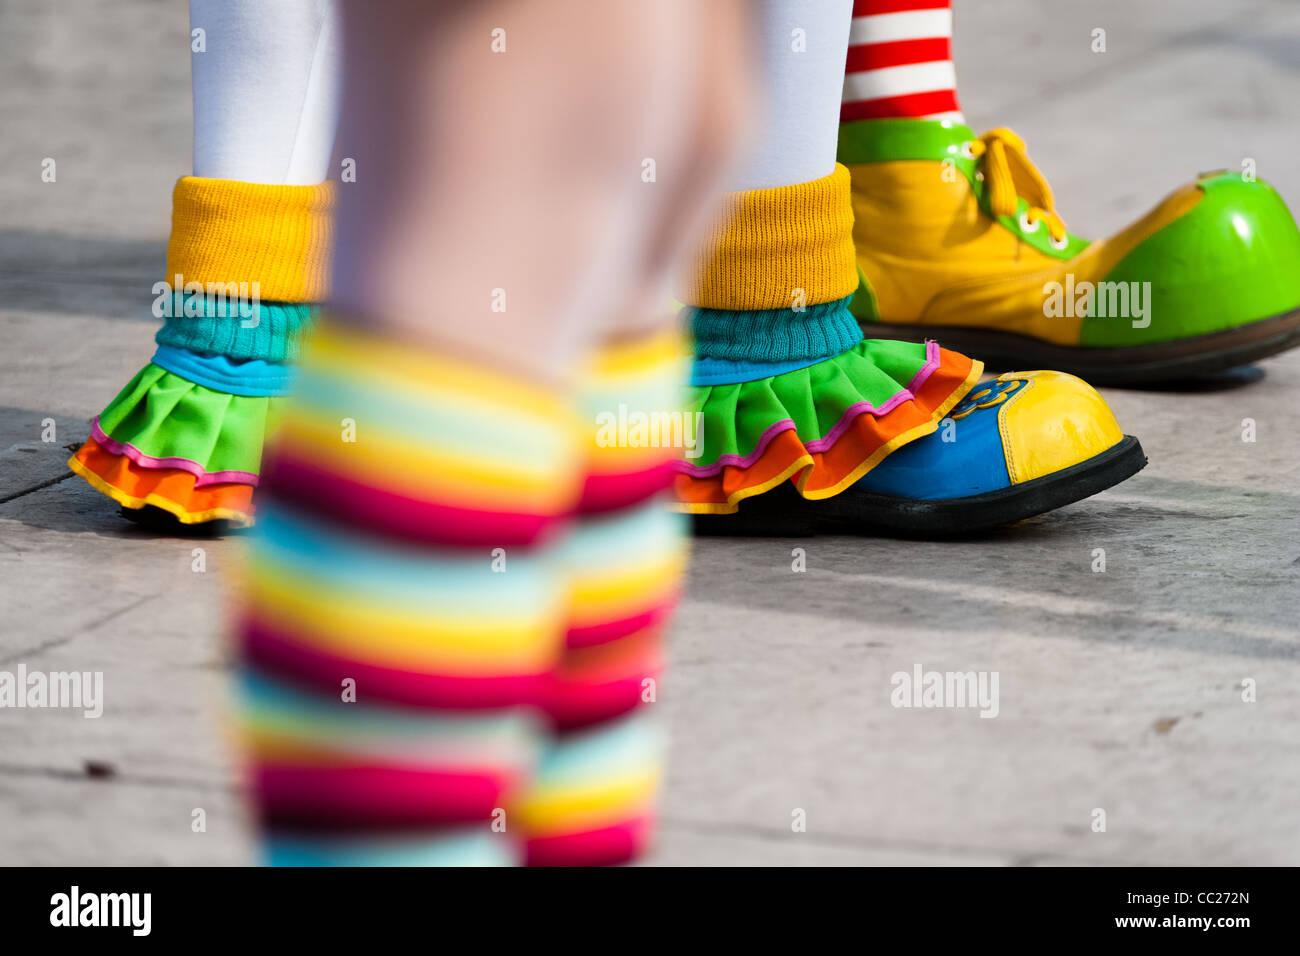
[[1027, 225], [1058, 246], [968, 150]]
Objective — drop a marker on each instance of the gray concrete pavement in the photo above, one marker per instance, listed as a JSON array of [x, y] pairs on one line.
[[1118, 690]]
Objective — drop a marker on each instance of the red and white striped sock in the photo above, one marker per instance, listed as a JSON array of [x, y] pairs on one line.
[[900, 62]]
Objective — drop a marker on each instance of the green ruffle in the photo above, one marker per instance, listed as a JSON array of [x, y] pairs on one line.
[[736, 416], [164, 416]]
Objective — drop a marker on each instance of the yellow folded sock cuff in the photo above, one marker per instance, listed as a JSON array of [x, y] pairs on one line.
[[774, 248], [279, 237]]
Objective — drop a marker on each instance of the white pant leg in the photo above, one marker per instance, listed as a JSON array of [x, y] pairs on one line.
[[266, 90], [800, 103]]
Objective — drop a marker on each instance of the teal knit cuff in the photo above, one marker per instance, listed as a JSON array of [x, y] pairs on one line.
[[774, 335], [269, 331]]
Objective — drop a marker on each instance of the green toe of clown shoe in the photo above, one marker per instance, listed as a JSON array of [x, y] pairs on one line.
[[1231, 260]]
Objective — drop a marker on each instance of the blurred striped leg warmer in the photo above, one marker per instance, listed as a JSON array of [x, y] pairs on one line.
[[404, 607], [592, 802]]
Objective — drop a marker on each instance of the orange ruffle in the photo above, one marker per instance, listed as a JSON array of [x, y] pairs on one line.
[[171, 489], [863, 445]]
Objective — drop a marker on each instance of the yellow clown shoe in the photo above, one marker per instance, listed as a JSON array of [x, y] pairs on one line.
[[958, 238]]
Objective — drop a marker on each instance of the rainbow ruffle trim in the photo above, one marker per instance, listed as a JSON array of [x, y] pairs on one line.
[[822, 427], [176, 445]]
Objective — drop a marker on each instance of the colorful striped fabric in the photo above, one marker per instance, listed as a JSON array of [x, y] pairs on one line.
[[497, 640], [322, 765], [455, 632], [900, 62], [445, 631], [483, 464], [641, 376], [592, 800]]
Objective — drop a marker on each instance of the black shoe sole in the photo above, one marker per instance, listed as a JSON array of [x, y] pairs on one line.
[[784, 512], [161, 521], [1133, 366]]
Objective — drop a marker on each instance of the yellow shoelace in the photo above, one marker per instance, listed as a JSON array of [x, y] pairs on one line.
[[1010, 177]]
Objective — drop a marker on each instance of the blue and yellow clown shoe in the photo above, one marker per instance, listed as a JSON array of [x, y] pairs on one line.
[[1020, 445]]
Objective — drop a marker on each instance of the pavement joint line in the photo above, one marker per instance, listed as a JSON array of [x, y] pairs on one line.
[[67, 773], [38, 649], [120, 611], [67, 639], [1170, 506], [1276, 653], [856, 841], [1060, 604], [44, 484]]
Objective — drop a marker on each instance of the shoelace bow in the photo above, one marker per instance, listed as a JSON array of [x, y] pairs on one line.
[[1010, 176]]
